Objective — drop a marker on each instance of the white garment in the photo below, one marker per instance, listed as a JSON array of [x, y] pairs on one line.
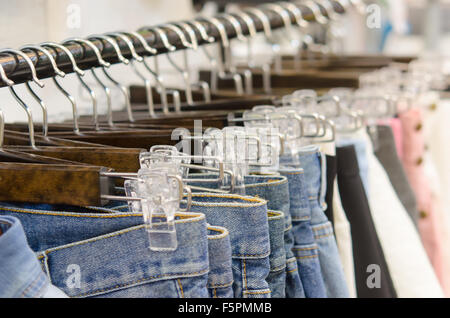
[[343, 236], [411, 271]]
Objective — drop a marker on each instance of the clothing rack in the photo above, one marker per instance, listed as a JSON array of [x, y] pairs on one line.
[[18, 70]]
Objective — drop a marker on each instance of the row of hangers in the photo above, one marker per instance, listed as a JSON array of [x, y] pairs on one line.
[[130, 155]]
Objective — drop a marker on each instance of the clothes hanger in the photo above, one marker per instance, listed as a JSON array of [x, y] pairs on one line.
[[219, 102], [265, 67], [121, 159]]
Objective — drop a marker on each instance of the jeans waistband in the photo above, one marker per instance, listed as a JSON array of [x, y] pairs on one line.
[[219, 246], [122, 259], [277, 256], [109, 250]]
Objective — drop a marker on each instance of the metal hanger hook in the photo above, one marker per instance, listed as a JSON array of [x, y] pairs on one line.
[[68, 53], [101, 61], [129, 43], [179, 32]]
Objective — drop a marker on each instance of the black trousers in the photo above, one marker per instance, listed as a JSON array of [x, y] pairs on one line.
[[367, 248]]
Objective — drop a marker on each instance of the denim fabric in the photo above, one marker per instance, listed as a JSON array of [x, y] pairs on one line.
[[277, 257], [21, 275], [220, 276], [104, 253], [361, 154], [246, 219], [314, 165], [275, 190], [305, 248]]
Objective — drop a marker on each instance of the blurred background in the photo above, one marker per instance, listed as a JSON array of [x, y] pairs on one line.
[[396, 27]]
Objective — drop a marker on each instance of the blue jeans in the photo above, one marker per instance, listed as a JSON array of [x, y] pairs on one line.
[[314, 165], [96, 252], [275, 189], [21, 275], [305, 248], [246, 219], [220, 276]]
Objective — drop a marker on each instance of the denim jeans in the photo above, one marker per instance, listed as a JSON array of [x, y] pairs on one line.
[[275, 190], [305, 248], [95, 252], [277, 257], [21, 275], [220, 276], [246, 219], [314, 166]]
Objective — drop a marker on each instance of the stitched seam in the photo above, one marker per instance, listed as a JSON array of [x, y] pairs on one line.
[[224, 233], [35, 281], [217, 237], [304, 249], [275, 215], [292, 173], [47, 252], [292, 270], [181, 288], [251, 255], [292, 259], [244, 276], [256, 292], [305, 257], [267, 184], [221, 285], [90, 215], [322, 236], [227, 205], [215, 293], [277, 269], [227, 197], [140, 281], [70, 214], [321, 227]]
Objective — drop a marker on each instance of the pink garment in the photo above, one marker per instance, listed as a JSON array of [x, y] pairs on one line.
[[396, 126], [433, 232]]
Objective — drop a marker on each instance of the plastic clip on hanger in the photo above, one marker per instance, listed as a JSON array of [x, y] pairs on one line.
[[156, 193]]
